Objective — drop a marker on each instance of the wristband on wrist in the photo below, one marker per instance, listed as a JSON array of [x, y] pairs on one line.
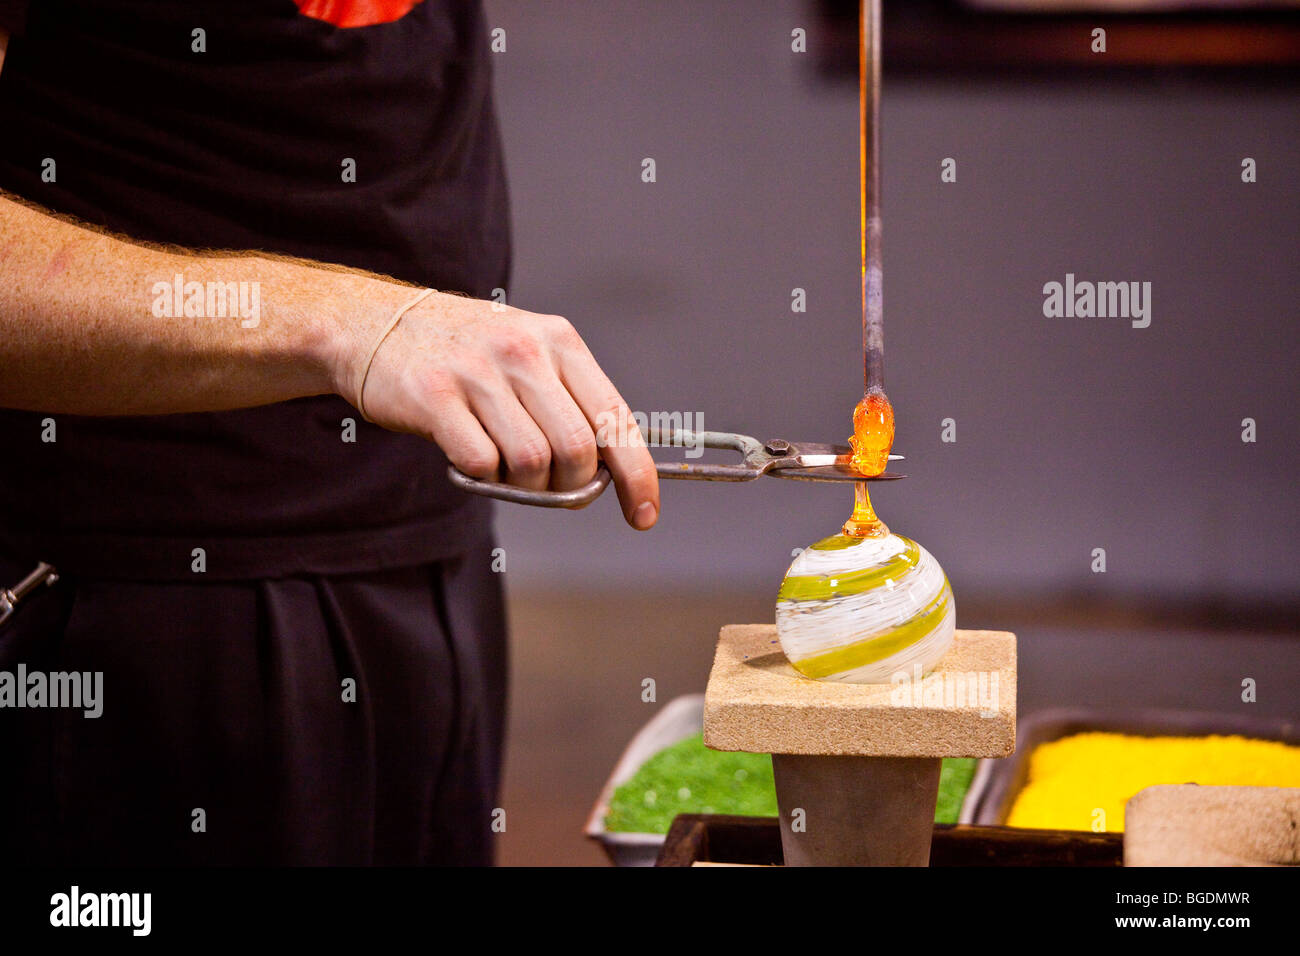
[[392, 324]]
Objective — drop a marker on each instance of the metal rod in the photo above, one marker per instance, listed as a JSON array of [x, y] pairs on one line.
[[873, 317]]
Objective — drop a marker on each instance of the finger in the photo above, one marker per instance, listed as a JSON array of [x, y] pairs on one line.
[[573, 443], [523, 446], [462, 439], [621, 443]]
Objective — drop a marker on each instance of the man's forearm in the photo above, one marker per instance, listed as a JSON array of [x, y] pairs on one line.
[[95, 325]]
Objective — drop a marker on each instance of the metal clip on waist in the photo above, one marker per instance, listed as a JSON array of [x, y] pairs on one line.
[[9, 597]]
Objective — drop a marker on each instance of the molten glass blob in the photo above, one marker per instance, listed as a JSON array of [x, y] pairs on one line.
[[873, 433]]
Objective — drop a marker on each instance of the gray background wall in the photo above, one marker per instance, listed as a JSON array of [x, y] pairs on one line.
[[1072, 433]]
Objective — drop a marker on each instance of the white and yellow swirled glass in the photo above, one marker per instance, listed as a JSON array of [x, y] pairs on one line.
[[862, 609]]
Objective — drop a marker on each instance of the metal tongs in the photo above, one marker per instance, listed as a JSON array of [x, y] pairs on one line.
[[9, 597], [799, 461]]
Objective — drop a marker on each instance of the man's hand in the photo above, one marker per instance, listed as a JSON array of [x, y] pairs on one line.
[[502, 390]]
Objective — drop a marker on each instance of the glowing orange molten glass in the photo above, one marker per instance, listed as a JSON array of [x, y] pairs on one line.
[[863, 523], [873, 433], [873, 437]]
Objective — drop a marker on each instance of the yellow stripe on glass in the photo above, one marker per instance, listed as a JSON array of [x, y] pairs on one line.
[[879, 646]]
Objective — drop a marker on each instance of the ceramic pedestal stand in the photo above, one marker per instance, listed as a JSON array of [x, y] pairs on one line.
[[857, 765]]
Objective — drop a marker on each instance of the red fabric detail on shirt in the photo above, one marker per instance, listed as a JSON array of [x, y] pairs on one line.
[[355, 13]]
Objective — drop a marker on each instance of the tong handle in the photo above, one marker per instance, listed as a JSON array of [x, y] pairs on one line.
[[750, 448], [576, 498], [684, 437], [751, 451]]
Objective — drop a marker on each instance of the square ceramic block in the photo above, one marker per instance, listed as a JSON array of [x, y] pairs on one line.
[[966, 707]]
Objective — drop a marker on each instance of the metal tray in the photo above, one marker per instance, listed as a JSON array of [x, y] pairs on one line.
[[1006, 776], [680, 718]]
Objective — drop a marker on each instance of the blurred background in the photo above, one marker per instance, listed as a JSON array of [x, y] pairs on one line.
[[1071, 433]]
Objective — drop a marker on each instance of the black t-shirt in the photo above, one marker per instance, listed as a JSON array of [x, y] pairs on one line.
[[243, 145]]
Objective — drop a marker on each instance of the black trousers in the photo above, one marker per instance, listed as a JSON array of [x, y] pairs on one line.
[[353, 719]]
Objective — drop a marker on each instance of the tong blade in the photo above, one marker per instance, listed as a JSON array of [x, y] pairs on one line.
[[838, 471], [811, 461]]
